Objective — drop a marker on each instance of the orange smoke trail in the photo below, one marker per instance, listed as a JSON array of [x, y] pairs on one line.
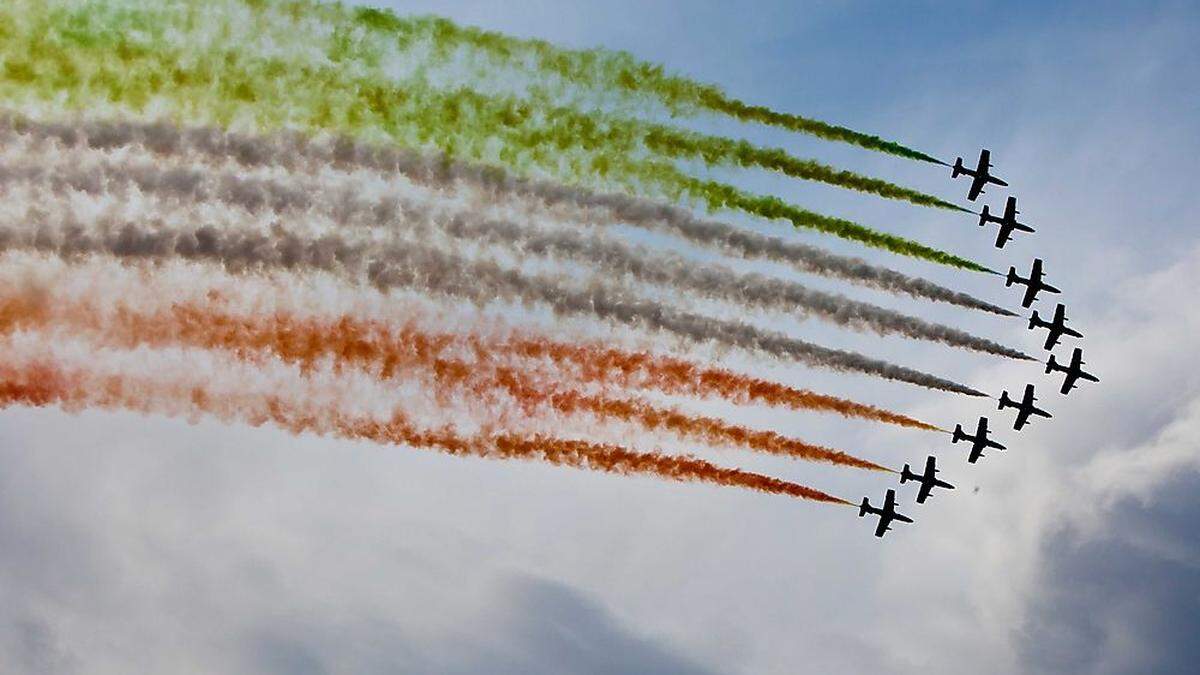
[[366, 342], [651, 417], [42, 383], [386, 351], [677, 376], [363, 340]]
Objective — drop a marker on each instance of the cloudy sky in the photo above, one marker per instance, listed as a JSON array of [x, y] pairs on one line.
[[131, 544]]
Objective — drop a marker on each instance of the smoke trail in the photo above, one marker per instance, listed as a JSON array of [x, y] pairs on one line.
[[380, 350], [484, 281], [393, 344], [295, 199], [40, 382], [711, 430], [439, 172], [481, 282], [602, 69], [723, 196], [275, 93], [719, 282], [716, 150], [308, 343], [677, 376]]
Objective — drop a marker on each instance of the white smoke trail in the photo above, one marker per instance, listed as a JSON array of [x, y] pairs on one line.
[[294, 152], [319, 207]]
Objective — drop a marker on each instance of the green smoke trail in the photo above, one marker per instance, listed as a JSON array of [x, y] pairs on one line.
[[594, 131], [718, 195], [715, 150], [602, 69], [107, 56]]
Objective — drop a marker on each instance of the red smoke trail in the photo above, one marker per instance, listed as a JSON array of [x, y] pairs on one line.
[[42, 383]]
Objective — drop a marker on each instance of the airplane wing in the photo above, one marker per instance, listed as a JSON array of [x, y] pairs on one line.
[[1003, 237], [1069, 382], [1077, 359], [985, 161], [923, 493], [976, 453], [977, 183], [1052, 338], [1022, 418], [1030, 294], [1010, 209], [882, 527]]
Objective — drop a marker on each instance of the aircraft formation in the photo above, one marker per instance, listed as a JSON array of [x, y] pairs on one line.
[[1025, 404]]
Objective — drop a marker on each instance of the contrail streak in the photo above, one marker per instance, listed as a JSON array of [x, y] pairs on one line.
[[289, 151], [296, 200], [43, 381]]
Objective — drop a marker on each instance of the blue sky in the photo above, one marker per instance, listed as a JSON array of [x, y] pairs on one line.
[[136, 545]]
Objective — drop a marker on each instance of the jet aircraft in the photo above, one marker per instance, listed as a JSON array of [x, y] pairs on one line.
[[886, 514], [979, 175], [928, 480], [1033, 285], [979, 442], [1024, 408], [1056, 328], [1074, 371], [1008, 222]]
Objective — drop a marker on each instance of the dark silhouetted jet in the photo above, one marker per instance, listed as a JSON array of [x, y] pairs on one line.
[[979, 442], [1074, 371], [1008, 222], [1025, 408], [886, 514], [1057, 328], [1033, 285], [979, 175], [928, 480]]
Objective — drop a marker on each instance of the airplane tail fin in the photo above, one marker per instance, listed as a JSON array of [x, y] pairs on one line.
[[1005, 401], [957, 168], [1051, 365], [983, 216], [906, 475], [1034, 319], [862, 508], [1012, 277], [958, 434]]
